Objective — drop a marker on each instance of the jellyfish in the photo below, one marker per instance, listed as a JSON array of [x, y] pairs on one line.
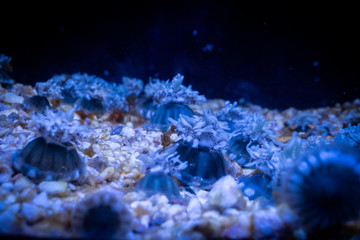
[[160, 119], [45, 160], [37, 103], [101, 215], [205, 166], [158, 182], [323, 187]]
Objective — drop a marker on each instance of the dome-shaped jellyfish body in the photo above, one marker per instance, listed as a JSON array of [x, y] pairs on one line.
[[205, 166], [256, 185], [91, 105], [160, 118], [323, 187], [146, 106], [101, 215], [37, 103], [237, 150], [154, 183], [41, 160]]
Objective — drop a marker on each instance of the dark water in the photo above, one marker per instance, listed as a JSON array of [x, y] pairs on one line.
[[275, 55]]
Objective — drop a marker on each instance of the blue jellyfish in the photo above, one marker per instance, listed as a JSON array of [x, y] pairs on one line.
[[37, 103], [160, 118], [158, 182], [101, 215], [256, 185], [91, 105], [323, 187], [42, 160], [237, 149], [205, 166]]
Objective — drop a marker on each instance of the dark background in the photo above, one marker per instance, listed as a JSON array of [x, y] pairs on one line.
[[273, 54]]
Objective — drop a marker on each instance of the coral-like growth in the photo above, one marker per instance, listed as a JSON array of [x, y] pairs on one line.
[[52, 88], [132, 86], [101, 215], [172, 91], [205, 131], [253, 142], [59, 126], [303, 121], [349, 136], [167, 162], [160, 119], [322, 186], [37, 103], [204, 166], [42, 160], [231, 113], [5, 67], [4, 60], [158, 182], [81, 87]]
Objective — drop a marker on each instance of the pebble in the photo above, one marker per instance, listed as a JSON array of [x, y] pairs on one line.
[[31, 212], [8, 186], [8, 112], [12, 98], [53, 187], [107, 173], [128, 132], [22, 183], [194, 209], [41, 200], [225, 194]]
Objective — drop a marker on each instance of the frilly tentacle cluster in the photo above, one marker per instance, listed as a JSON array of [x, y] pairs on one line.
[[167, 162], [204, 130], [132, 86], [349, 136], [303, 120], [4, 60], [59, 126], [255, 136], [172, 91], [231, 113], [84, 86]]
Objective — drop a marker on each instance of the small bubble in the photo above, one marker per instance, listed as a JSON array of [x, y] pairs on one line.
[[315, 63], [195, 32], [106, 73], [208, 47]]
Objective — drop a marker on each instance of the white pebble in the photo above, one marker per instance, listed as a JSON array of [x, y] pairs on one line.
[[53, 187], [128, 132], [22, 183], [30, 212], [8, 186], [41, 200], [226, 194], [15, 208], [7, 112], [12, 98], [194, 209]]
